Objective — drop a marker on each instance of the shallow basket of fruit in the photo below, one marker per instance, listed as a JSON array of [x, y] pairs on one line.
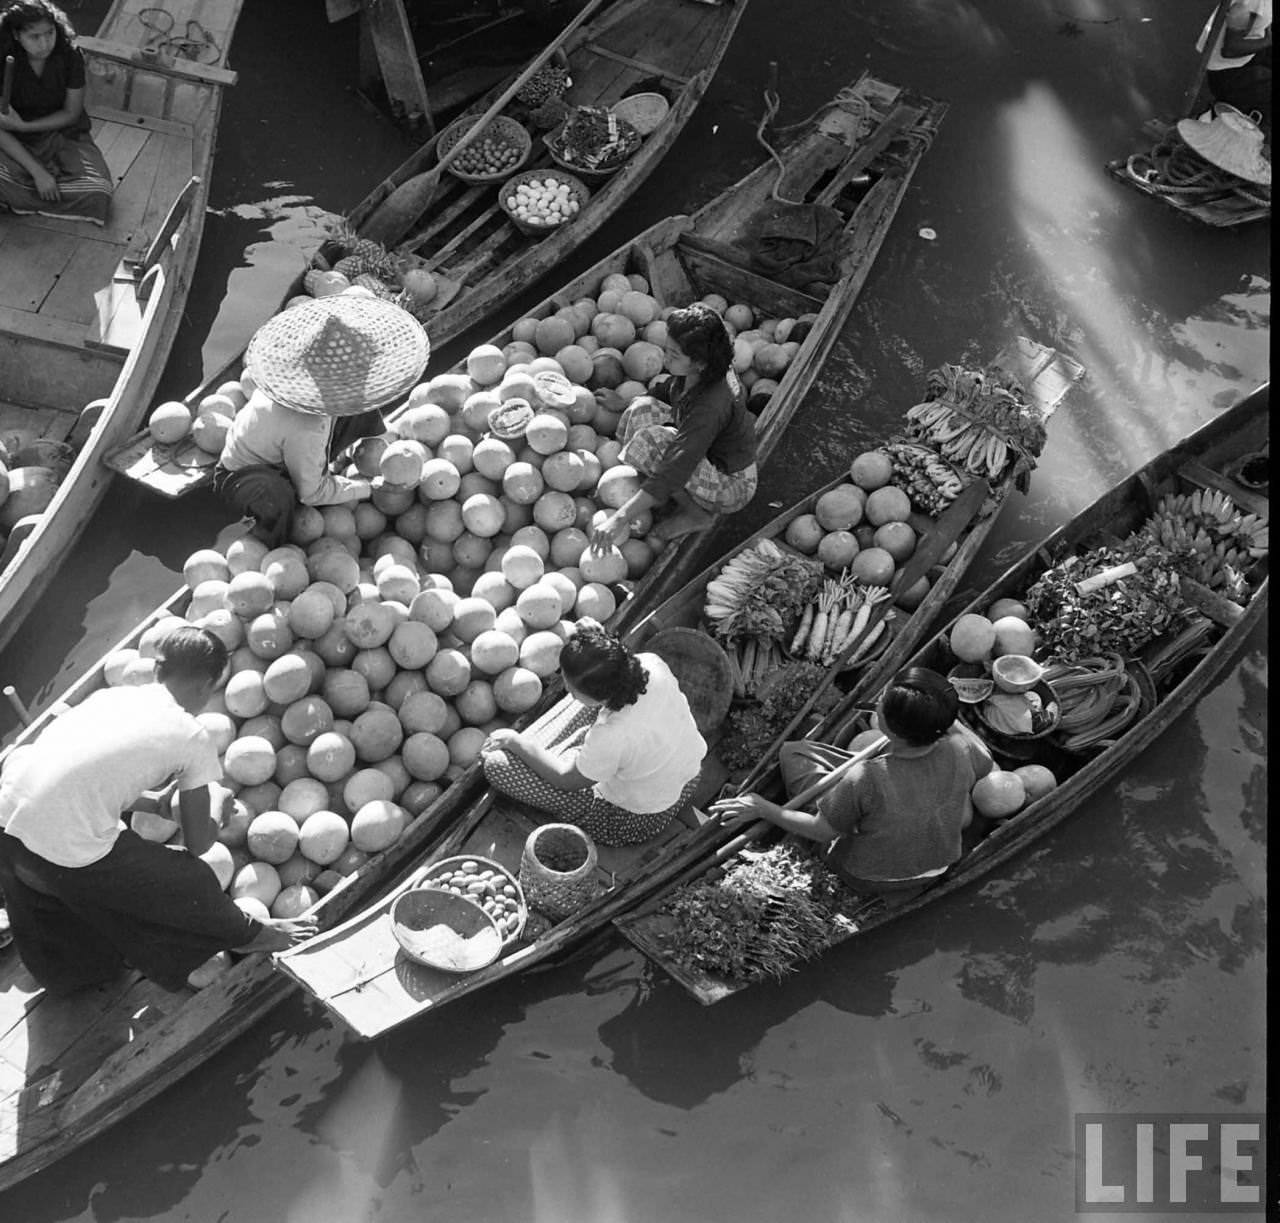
[[484, 883], [502, 147], [538, 201], [1019, 716]]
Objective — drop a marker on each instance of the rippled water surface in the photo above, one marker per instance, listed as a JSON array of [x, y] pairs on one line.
[[933, 1072]]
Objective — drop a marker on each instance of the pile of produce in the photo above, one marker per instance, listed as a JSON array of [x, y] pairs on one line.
[[751, 728], [980, 421], [375, 651], [760, 592], [930, 482], [768, 912], [549, 82], [489, 154], [835, 618], [593, 138], [1208, 538], [31, 469], [1099, 698], [546, 202]]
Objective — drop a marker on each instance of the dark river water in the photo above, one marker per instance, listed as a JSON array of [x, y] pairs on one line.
[[934, 1072]]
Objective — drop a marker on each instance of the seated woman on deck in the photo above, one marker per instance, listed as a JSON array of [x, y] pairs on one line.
[[48, 161], [699, 448], [893, 821], [322, 372], [619, 756]]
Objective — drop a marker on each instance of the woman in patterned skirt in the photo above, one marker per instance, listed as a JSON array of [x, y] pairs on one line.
[[48, 161], [619, 756], [698, 449]]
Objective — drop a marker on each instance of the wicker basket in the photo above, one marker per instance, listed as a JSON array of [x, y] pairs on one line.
[[558, 893], [644, 111], [702, 670], [511, 131], [478, 940], [577, 188], [434, 875]]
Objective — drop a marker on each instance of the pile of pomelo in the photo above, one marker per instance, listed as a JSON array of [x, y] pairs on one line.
[[868, 526], [372, 654]]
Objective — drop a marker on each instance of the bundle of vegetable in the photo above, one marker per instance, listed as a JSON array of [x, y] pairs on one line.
[[1208, 538], [836, 617], [751, 730], [752, 660], [931, 483], [1120, 616], [1098, 698], [361, 257], [761, 592], [594, 138], [769, 911], [550, 81], [981, 421]]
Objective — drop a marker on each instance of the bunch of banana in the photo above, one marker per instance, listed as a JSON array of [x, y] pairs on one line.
[[930, 483], [1217, 543], [967, 443], [729, 591]]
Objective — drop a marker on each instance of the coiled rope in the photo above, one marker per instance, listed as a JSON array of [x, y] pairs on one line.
[[194, 43], [1172, 168], [845, 100]]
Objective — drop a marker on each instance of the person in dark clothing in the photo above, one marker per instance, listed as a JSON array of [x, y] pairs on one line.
[[698, 448], [87, 896], [893, 821], [1238, 70], [48, 161]]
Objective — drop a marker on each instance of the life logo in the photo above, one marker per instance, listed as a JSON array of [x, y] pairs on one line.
[[1192, 1163]]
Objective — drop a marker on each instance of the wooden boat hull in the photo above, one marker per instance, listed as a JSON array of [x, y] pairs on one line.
[[355, 970], [66, 355], [1217, 446]]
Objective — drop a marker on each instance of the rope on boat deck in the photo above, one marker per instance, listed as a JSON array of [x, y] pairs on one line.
[[1173, 169], [845, 100], [195, 43]]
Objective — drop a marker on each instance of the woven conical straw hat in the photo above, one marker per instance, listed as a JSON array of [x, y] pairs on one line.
[[1231, 141], [338, 355]]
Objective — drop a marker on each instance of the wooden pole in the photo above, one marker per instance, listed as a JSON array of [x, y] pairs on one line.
[[1193, 90], [388, 27], [11, 695]]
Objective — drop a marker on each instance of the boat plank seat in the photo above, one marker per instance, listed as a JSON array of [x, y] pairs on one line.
[[1198, 474]]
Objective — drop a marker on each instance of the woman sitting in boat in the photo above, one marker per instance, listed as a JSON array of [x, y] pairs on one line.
[[322, 372], [619, 756], [893, 821], [48, 161], [698, 448]]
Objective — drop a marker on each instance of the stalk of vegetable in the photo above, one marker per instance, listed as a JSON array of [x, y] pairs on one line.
[[802, 633]]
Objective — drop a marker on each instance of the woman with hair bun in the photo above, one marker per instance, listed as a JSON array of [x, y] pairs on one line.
[[698, 448], [619, 756], [892, 821]]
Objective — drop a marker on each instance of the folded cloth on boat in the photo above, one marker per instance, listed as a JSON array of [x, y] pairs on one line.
[[796, 244], [338, 355]]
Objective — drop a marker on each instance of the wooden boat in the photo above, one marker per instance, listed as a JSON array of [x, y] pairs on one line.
[[70, 1068], [1174, 670], [357, 971], [88, 313]]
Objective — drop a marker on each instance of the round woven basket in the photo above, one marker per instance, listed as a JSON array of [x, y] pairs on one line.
[[551, 890], [702, 670], [439, 871], [471, 939], [644, 111], [577, 188], [503, 126], [582, 172]]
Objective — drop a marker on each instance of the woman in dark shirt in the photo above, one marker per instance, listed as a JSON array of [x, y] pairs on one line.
[[698, 450], [48, 162]]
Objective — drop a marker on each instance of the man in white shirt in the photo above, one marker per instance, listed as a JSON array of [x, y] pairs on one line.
[[85, 894]]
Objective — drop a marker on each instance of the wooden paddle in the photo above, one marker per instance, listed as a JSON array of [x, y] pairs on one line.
[[412, 198], [6, 89], [1215, 28], [953, 523]]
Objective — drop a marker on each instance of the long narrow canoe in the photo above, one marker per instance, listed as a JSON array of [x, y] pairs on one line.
[[88, 313], [1180, 667], [673, 47], [357, 971], [70, 1068]]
